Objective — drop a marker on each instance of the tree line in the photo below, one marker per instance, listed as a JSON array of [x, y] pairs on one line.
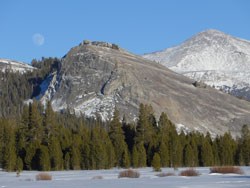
[[16, 88], [44, 140]]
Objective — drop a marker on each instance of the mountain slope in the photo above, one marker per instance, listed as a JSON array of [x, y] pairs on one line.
[[213, 57], [96, 77], [14, 66]]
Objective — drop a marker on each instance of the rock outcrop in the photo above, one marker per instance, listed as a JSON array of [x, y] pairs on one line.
[[94, 79]]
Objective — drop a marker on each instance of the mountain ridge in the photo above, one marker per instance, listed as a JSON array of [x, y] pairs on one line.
[[213, 57], [14, 66], [95, 79]]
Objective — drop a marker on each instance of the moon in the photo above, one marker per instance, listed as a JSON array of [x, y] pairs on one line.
[[38, 39]]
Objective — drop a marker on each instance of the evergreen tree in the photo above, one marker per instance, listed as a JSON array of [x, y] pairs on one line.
[[117, 138], [245, 146], [164, 154], [135, 157], [175, 147], [49, 123], [207, 157], [142, 157], [156, 162], [227, 149], [9, 149], [188, 156], [101, 150], [75, 158], [55, 153], [44, 159], [36, 131], [164, 125]]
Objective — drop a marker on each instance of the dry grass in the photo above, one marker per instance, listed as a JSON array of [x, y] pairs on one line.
[[43, 176], [189, 172], [165, 174], [226, 170], [129, 174]]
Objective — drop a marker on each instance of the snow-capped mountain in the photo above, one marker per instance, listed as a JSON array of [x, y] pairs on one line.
[[14, 66], [212, 57], [94, 78]]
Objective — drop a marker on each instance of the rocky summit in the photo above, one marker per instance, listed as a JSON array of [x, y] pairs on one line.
[[213, 57], [96, 77]]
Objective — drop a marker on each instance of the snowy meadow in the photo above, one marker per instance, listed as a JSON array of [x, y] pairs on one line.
[[109, 178]]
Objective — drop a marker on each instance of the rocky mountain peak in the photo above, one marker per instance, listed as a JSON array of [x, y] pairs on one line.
[[95, 79], [100, 43], [213, 57]]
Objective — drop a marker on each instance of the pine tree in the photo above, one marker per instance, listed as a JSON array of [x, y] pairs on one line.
[[164, 125], [101, 149], [55, 152], [9, 149], [207, 158], [49, 123], [75, 158], [44, 159], [142, 157], [117, 138], [156, 162], [144, 128], [135, 157], [31, 157], [245, 146], [164, 154], [175, 147], [188, 156], [35, 127], [227, 149]]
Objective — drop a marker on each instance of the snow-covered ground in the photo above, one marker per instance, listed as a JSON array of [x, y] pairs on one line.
[[148, 179]]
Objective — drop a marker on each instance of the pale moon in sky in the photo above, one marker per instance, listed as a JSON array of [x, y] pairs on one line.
[[38, 39]]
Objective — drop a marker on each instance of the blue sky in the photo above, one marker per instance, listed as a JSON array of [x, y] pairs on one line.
[[49, 28]]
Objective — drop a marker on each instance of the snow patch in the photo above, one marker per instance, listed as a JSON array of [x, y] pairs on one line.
[[180, 127], [103, 106], [48, 88], [14, 66]]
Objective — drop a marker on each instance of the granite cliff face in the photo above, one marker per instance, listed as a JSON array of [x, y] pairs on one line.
[[96, 77]]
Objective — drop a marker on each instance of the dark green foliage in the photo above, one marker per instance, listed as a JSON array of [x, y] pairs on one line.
[[227, 149], [56, 155], [142, 156], [117, 138], [19, 164], [156, 162], [9, 157], [135, 157], [15, 87], [44, 159], [207, 155], [45, 140], [244, 146]]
